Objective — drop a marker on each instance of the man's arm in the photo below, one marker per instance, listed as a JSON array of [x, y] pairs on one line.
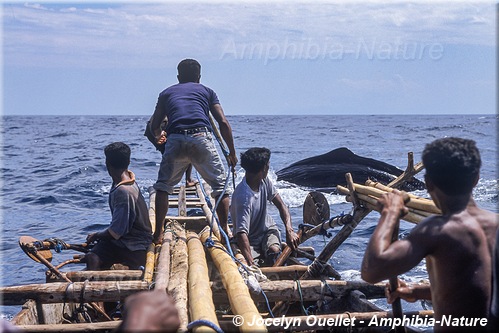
[[157, 119], [244, 245], [292, 238], [384, 259], [226, 132]]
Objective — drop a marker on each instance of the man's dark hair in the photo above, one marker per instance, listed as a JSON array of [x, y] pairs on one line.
[[117, 155], [452, 164], [254, 159], [189, 70]]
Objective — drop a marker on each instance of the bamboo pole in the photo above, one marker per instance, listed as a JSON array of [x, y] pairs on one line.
[[347, 321], [108, 291], [201, 305], [237, 291], [108, 275], [150, 263], [177, 286], [289, 323], [60, 292], [414, 202], [207, 212], [413, 216], [163, 268], [152, 208], [289, 272], [85, 327], [308, 290]]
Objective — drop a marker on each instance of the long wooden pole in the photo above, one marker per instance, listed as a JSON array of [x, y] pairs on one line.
[[177, 286], [60, 292], [201, 298], [239, 297], [163, 268]]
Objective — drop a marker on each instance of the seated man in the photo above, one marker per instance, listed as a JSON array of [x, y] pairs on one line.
[[126, 240], [255, 231]]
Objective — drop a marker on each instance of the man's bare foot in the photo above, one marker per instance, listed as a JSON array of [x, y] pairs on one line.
[[190, 183]]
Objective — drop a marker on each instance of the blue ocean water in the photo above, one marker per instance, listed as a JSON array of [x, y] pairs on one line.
[[55, 184]]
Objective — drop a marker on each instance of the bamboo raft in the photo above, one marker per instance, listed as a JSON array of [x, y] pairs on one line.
[[206, 282]]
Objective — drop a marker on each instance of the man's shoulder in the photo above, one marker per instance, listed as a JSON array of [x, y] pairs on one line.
[[125, 190]]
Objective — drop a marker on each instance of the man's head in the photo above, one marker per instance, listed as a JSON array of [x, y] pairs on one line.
[[452, 165], [255, 159], [117, 155], [189, 70]]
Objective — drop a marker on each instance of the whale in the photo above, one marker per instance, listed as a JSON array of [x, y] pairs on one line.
[[324, 172]]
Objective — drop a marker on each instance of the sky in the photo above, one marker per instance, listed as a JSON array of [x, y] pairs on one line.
[[272, 57]]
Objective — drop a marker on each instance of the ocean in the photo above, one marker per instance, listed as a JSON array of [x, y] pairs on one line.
[[55, 184]]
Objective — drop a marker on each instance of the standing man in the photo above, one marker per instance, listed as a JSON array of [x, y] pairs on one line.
[[190, 141], [256, 233], [457, 245], [126, 240]]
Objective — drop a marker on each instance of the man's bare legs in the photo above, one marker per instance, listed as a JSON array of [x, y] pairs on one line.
[[223, 214], [161, 208]]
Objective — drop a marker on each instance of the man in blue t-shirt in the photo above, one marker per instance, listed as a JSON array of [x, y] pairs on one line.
[[187, 106], [255, 231]]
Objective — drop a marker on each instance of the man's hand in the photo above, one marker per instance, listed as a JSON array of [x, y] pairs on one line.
[[157, 238], [403, 291], [93, 237], [292, 239], [161, 138], [232, 161], [394, 202]]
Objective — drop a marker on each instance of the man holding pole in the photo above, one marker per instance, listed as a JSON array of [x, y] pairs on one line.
[[187, 106], [255, 231], [457, 244]]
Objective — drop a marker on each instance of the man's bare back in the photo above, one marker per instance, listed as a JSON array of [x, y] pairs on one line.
[[457, 245], [458, 264]]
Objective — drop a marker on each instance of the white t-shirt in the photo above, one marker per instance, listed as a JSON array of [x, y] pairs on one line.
[[248, 210]]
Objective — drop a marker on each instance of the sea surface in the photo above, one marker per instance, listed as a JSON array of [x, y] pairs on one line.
[[55, 184]]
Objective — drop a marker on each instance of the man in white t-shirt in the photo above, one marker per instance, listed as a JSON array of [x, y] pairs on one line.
[[255, 231]]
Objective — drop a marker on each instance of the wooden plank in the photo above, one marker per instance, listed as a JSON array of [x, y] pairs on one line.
[[182, 208]]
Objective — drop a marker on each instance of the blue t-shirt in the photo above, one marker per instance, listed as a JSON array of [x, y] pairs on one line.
[[186, 105]]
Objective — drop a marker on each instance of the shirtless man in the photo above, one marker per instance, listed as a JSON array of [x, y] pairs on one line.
[[457, 245]]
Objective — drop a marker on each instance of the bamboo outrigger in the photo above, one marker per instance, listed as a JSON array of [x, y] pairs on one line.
[[205, 279]]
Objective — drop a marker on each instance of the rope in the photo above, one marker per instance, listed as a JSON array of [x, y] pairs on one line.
[[301, 297], [204, 322], [214, 209]]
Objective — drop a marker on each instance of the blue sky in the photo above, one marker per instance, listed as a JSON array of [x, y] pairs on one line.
[[273, 57]]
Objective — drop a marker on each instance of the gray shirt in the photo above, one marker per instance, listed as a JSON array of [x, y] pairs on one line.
[[130, 225], [248, 210]]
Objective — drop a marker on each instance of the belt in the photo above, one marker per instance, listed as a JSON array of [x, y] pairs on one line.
[[189, 131]]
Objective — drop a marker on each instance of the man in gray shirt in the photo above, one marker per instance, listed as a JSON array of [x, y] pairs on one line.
[[256, 233], [127, 238]]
